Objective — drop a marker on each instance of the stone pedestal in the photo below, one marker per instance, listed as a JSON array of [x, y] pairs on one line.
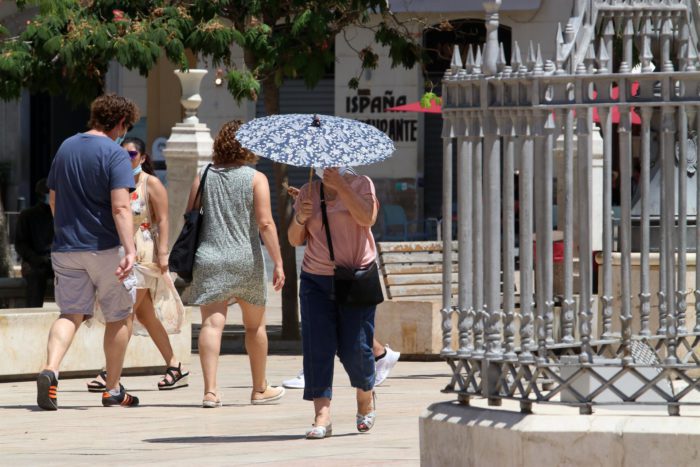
[[464, 436], [413, 327], [188, 149], [23, 333]]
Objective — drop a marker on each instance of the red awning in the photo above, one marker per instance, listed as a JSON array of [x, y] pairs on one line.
[[435, 108]]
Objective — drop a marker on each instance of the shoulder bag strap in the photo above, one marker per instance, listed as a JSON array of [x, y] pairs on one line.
[[201, 187], [324, 215]]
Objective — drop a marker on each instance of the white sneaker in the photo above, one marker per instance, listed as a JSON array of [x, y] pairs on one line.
[[295, 383], [385, 365]]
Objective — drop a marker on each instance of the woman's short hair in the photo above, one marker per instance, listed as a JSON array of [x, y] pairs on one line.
[[227, 149], [147, 164], [107, 111]]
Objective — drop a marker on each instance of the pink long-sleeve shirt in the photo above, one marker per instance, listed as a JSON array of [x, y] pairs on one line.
[[353, 244]]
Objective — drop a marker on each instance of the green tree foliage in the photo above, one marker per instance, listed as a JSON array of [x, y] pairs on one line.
[[68, 46]]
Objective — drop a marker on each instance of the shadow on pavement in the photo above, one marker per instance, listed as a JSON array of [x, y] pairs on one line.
[[223, 439], [35, 408], [233, 439], [432, 376]]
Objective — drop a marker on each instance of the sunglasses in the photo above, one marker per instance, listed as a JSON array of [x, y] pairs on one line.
[[133, 154]]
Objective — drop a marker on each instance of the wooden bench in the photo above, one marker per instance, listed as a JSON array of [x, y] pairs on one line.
[[413, 270], [410, 320]]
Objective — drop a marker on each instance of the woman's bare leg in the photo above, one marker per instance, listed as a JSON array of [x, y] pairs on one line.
[[322, 411], [213, 321], [255, 342], [365, 403], [146, 314]]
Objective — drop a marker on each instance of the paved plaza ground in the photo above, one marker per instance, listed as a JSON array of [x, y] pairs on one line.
[[170, 427]]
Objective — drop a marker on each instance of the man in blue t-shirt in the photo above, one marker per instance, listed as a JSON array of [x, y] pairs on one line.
[[90, 181]]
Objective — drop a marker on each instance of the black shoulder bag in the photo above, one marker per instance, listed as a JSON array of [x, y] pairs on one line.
[[184, 249], [355, 287]]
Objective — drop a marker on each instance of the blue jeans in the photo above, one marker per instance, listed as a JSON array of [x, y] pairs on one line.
[[328, 328]]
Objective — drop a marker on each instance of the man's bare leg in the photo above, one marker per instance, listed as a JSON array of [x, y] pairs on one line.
[[60, 338], [117, 335]]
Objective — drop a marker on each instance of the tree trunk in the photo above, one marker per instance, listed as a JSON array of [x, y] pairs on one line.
[[5, 261], [290, 311]]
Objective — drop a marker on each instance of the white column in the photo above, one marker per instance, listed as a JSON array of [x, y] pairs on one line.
[[188, 149]]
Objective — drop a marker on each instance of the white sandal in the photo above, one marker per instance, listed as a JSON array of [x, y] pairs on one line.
[[320, 432], [366, 422]]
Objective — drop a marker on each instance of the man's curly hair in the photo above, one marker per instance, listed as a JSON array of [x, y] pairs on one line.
[[227, 149], [107, 110]]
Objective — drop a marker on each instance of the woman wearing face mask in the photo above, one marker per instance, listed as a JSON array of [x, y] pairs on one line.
[[328, 327], [149, 206]]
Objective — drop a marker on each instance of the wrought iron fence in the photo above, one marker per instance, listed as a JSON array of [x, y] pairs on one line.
[[633, 341]]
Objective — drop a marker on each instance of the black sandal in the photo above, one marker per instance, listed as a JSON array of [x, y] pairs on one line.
[[96, 385], [178, 379]]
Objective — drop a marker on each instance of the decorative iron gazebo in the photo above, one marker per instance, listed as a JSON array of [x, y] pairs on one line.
[[579, 348]]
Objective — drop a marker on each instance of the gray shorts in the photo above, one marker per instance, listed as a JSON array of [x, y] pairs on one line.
[[80, 276]]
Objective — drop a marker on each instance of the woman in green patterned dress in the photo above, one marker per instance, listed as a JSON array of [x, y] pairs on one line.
[[229, 261]]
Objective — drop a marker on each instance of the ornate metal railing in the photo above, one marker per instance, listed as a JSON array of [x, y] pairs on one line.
[[632, 341]]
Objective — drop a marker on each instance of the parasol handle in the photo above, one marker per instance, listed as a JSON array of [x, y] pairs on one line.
[[311, 176]]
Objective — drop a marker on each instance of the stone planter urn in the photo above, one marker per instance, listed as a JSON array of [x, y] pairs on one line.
[[190, 81], [188, 149]]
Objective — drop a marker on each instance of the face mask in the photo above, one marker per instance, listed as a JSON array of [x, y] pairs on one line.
[[46, 199], [120, 139], [319, 172], [137, 170]]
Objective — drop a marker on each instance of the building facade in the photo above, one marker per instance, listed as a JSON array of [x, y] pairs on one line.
[[34, 126]]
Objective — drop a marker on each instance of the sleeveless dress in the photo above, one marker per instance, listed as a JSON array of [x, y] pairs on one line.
[[145, 231], [166, 300], [229, 261]]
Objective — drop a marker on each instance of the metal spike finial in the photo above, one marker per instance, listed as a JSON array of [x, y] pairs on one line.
[[691, 58], [646, 26], [549, 67], [590, 59], [569, 32], [531, 56], [667, 27], [603, 57], [522, 67], [647, 56], [456, 63], [470, 60], [477, 61], [560, 36], [666, 38], [609, 28], [515, 58], [539, 64], [501, 61], [581, 68], [559, 58]]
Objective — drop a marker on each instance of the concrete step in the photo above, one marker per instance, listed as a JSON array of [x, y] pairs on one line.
[[233, 340]]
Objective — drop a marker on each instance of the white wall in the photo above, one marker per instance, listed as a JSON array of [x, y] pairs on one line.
[[382, 84]]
